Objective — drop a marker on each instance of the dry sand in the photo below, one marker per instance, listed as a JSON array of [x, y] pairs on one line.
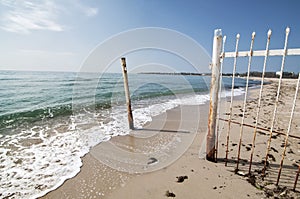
[[201, 179], [292, 158]]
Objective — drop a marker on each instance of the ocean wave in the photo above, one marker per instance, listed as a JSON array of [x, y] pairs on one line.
[[41, 147], [43, 157], [29, 117]]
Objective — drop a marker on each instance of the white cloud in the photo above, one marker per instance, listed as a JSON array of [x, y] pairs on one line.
[[29, 15], [25, 16]]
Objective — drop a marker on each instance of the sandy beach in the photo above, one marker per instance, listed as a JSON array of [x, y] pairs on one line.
[[117, 99], [187, 175]]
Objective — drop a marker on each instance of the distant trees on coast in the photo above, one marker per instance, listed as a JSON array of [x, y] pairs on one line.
[[291, 75]]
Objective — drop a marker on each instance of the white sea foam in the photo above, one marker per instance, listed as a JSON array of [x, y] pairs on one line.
[[41, 158]]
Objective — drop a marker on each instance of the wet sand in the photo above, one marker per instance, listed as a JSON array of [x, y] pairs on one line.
[[183, 173]]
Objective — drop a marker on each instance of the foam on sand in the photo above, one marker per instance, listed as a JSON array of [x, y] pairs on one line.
[[40, 159]]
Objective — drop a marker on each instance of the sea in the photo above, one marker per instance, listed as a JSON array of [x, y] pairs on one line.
[[49, 120]]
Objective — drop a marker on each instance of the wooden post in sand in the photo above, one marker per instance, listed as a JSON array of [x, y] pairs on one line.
[[127, 94], [214, 90]]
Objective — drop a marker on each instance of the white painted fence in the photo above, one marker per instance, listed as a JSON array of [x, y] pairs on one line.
[[218, 57]]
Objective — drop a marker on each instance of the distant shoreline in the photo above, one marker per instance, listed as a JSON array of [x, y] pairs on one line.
[[269, 75], [181, 73]]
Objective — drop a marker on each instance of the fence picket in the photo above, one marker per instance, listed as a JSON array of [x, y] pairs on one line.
[[232, 93], [259, 99], [245, 101]]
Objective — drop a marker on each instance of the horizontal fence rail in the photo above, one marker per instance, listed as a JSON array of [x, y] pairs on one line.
[[262, 53]]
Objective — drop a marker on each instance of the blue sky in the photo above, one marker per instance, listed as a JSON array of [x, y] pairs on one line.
[[55, 35]]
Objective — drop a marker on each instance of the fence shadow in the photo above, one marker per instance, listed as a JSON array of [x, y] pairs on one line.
[[287, 177], [161, 130]]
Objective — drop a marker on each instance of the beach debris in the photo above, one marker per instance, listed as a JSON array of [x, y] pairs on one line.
[[215, 187], [271, 186], [252, 180], [180, 179], [275, 150], [272, 157], [269, 193], [240, 173], [295, 165], [291, 151], [267, 163], [261, 133], [170, 194], [258, 183], [284, 193], [274, 136], [272, 190], [152, 160], [259, 171], [248, 148], [283, 144]]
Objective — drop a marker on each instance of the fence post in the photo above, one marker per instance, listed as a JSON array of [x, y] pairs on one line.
[[127, 94], [214, 90]]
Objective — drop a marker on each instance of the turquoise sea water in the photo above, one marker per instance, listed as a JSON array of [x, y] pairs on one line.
[[48, 120]]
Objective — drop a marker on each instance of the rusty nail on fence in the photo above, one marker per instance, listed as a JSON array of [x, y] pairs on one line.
[[214, 89], [288, 130], [245, 101], [127, 94], [259, 99], [232, 93], [296, 179], [287, 31]]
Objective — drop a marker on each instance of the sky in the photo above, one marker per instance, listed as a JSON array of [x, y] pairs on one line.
[[56, 35]]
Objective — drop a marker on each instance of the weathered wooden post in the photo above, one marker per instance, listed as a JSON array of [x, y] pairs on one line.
[[127, 94], [214, 90]]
